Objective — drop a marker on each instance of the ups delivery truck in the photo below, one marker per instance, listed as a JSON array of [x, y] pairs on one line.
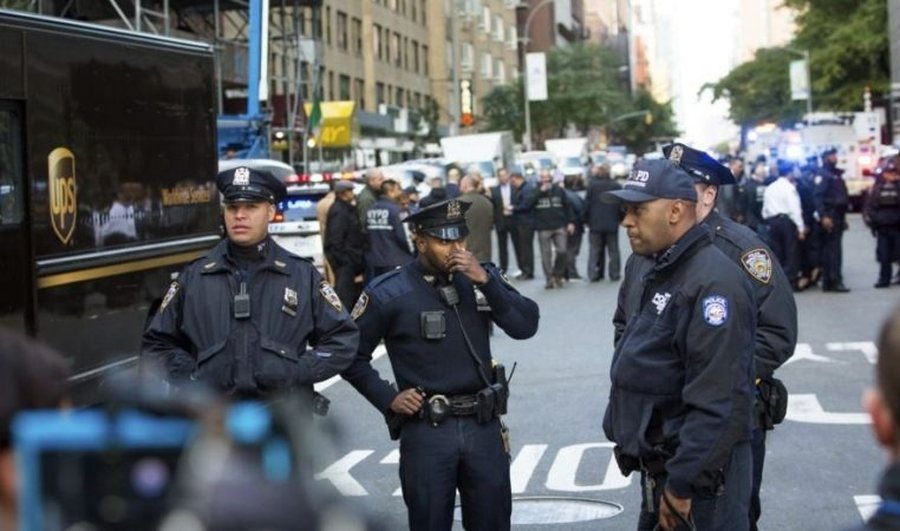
[[107, 182]]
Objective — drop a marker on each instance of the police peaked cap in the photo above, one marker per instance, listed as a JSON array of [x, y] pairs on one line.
[[700, 165], [246, 184], [654, 179], [445, 220]]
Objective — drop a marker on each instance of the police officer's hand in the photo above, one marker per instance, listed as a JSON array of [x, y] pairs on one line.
[[462, 261], [827, 223], [408, 402], [668, 520]]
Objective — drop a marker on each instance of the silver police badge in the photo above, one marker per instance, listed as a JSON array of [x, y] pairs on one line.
[[329, 295], [676, 154], [360, 307], [758, 263], [173, 290], [241, 177], [454, 210]]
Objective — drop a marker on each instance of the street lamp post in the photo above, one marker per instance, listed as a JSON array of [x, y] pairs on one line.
[[524, 39]]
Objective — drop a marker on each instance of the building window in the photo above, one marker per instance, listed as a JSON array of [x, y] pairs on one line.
[[327, 22], [403, 7], [415, 56], [418, 101], [498, 28], [414, 14], [486, 19], [342, 40], [406, 53], [499, 71], [513, 38], [379, 93], [398, 53], [392, 4], [376, 42], [356, 35], [331, 86], [422, 10], [466, 57], [344, 87], [398, 98], [487, 66], [425, 60], [387, 45], [360, 88]]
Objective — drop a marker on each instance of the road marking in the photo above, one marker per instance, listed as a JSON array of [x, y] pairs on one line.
[[392, 458], [804, 351], [522, 467], [564, 470], [807, 409], [339, 473], [379, 351], [869, 350], [867, 504]]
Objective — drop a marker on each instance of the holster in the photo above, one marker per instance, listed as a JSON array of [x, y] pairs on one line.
[[395, 424], [771, 403]]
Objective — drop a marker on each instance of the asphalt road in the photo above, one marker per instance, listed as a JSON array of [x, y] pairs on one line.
[[822, 462]]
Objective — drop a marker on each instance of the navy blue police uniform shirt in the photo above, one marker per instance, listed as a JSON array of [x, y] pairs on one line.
[[195, 335], [682, 371], [390, 309]]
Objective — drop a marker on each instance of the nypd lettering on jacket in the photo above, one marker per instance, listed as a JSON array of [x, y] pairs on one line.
[[378, 219]]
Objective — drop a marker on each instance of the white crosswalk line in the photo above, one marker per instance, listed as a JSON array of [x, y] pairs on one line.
[[522, 467], [339, 473], [807, 409]]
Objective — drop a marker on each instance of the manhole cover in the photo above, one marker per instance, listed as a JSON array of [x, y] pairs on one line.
[[557, 510]]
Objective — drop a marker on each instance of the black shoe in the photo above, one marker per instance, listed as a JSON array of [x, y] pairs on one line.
[[837, 288], [883, 284]]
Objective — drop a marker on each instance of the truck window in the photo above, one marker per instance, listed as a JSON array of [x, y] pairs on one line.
[[12, 204]]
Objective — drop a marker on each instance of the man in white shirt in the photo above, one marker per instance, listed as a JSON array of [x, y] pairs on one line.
[[782, 213]]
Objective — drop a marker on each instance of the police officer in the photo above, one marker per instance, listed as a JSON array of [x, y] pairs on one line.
[[434, 315], [832, 202], [883, 405], [240, 319], [776, 310], [681, 398], [882, 215]]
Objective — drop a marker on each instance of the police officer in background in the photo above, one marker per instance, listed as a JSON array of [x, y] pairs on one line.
[[882, 215], [680, 406], [832, 202], [434, 315], [240, 318], [776, 309]]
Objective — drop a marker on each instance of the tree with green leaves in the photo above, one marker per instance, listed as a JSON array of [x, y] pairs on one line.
[[641, 132], [848, 45]]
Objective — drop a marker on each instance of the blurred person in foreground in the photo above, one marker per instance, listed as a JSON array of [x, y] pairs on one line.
[[32, 376], [883, 405], [681, 401], [434, 315]]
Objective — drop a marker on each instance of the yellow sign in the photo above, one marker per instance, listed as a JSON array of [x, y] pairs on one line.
[[61, 182], [338, 127]]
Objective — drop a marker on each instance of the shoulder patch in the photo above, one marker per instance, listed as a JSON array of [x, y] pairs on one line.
[[758, 263], [360, 307], [170, 294], [330, 296], [715, 310]]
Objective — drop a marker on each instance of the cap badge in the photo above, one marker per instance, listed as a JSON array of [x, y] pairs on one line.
[[676, 154], [241, 177], [454, 211]]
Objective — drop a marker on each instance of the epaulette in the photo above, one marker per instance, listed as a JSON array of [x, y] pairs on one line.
[[389, 286], [740, 236]]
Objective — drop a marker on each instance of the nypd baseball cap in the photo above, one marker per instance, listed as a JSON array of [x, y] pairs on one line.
[[654, 179], [445, 220], [698, 164], [247, 184]]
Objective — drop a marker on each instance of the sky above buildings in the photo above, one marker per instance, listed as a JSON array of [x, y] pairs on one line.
[[699, 48]]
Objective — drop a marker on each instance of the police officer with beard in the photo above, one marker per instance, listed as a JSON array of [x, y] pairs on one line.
[[681, 398], [240, 318], [832, 202], [434, 315]]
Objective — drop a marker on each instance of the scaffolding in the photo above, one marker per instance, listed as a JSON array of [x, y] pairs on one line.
[[293, 52]]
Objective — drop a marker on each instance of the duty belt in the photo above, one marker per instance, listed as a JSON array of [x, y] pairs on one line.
[[456, 405]]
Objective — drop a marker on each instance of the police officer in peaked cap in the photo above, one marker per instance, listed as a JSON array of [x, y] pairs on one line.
[[776, 310], [241, 319], [434, 315], [681, 398]]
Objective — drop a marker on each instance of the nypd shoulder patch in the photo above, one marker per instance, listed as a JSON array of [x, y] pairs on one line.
[[330, 296], [360, 307], [715, 310], [170, 294], [758, 263]]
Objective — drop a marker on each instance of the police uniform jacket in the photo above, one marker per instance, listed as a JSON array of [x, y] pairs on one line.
[[391, 307], [776, 315], [682, 372], [195, 335], [883, 206], [831, 197], [388, 244]]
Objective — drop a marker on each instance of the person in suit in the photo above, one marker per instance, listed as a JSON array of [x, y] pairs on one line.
[[503, 196]]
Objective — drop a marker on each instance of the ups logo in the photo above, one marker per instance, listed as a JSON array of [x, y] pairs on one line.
[[61, 182]]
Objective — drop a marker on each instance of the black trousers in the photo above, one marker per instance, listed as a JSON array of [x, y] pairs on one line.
[[600, 243], [461, 454], [887, 251], [832, 257], [506, 232], [758, 449], [783, 239], [573, 247], [525, 258], [345, 285]]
